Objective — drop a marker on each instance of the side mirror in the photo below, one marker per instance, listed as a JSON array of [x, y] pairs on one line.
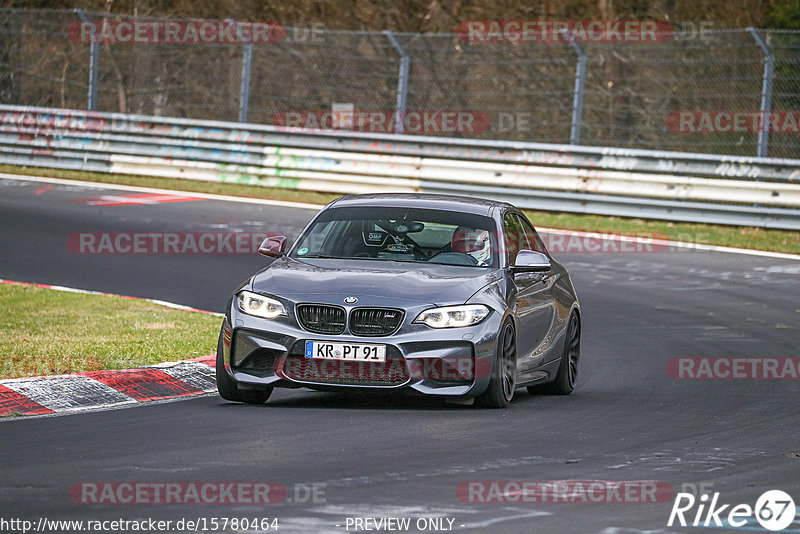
[[529, 261], [273, 246]]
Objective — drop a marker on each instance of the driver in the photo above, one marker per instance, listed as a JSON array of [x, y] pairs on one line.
[[474, 242]]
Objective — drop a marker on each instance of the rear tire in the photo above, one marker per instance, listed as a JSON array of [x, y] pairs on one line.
[[567, 375], [504, 370], [227, 388]]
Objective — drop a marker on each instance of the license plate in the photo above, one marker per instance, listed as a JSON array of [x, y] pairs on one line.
[[345, 351]]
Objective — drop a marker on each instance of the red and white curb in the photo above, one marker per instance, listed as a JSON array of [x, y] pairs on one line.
[[142, 199], [94, 390], [106, 389]]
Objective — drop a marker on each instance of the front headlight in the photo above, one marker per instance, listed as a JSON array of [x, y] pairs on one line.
[[453, 316], [259, 305]]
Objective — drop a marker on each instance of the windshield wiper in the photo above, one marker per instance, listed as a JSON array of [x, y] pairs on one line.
[[400, 261]]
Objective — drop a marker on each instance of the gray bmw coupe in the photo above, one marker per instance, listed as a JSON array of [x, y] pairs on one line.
[[442, 295]]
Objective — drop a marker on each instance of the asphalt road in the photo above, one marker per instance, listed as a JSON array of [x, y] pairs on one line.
[[382, 457]]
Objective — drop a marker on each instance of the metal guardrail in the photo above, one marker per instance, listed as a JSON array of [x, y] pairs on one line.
[[625, 182]]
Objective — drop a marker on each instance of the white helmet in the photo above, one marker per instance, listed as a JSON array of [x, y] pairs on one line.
[[474, 242]]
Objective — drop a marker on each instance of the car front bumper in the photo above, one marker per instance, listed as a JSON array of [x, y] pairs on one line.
[[450, 362]]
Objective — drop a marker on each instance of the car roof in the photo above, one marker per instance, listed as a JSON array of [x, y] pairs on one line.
[[478, 206]]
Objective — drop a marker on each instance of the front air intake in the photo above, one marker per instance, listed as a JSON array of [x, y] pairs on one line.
[[321, 318], [375, 321]]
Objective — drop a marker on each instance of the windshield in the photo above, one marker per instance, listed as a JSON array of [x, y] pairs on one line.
[[401, 234]]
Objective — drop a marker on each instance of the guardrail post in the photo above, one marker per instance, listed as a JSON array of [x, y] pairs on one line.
[[577, 96], [402, 82], [94, 53], [244, 87], [766, 91]]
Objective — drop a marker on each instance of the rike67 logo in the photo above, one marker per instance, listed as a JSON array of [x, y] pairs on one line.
[[774, 510]]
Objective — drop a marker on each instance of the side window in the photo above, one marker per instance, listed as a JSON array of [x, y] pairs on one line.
[[316, 237], [533, 238], [514, 235]]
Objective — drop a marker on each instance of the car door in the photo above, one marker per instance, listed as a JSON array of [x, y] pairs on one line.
[[534, 296]]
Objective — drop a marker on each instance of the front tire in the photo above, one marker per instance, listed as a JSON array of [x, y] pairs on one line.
[[504, 370], [227, 388], [567, 374]]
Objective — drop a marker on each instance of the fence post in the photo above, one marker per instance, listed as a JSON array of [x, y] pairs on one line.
[[402, 82], [577, 96], [94, 51], [247, 59], [244, 92], [766, 91]]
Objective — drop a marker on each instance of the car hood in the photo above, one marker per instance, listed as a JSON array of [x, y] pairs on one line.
[[434, 284]]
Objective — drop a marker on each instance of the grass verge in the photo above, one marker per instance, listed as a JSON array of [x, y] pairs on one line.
[[710, 234], [179, 184], [732, 236], [46, 332]]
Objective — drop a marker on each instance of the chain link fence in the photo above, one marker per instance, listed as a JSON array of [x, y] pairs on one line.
[[632, 95]]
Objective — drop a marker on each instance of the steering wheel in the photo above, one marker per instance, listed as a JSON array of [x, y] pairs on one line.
[[411, 247], [454, 258]]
